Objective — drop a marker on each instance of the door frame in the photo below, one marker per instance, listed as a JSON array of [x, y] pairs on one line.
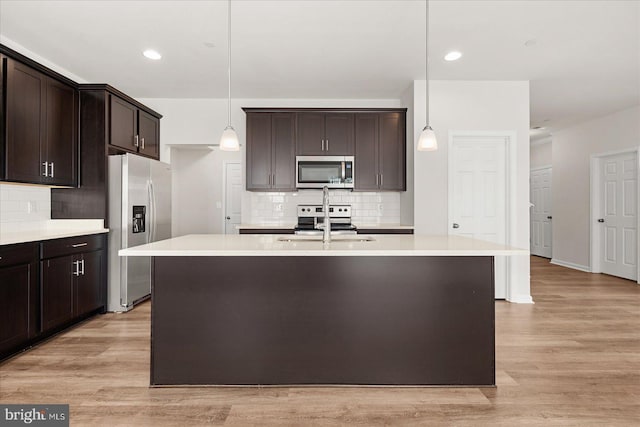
[[225, 163], [594, 211], [510, 177], [536, 169]]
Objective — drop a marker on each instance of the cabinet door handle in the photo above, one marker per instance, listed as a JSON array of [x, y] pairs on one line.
[[269, 179], [82, 271], [51, 174], [142, 143], [455, 225], [327, 145], [273, 180], [46, 169], [322, 144], [79, 245], [135, 141], [381, 180], [601, 220], [76, 265], [377, 179]]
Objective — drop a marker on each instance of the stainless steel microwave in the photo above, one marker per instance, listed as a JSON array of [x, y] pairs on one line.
[[318, 171]]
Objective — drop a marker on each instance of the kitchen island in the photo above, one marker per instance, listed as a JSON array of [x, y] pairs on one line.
[[361, 310]]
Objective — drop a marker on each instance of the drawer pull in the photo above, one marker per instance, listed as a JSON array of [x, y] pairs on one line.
[[79, 245]]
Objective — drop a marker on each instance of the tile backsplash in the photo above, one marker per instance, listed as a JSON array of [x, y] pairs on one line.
[[367, 208], [24, 207]]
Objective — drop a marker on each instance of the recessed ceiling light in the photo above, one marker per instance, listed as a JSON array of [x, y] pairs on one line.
[[531, 42], [152, 54], [452, 56]]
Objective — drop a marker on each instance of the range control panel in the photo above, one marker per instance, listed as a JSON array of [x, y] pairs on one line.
[[335, 211]]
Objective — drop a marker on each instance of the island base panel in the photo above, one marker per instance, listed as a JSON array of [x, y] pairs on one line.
[[323, 320]]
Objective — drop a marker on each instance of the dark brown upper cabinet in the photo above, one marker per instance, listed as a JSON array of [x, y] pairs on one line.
[[40, 135], [133, 130], [324, 134], [149, 134], [270, 152], [110, 123], [380, 151], [375, 136]]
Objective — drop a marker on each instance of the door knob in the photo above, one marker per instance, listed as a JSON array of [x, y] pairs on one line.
[[601, 220], [456, 225], [228, 217], [549, 217]]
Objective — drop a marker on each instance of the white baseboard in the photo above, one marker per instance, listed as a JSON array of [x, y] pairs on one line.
[[572, 265], [521, 299]]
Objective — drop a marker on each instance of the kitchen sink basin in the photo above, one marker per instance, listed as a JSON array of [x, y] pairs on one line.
[[336, 239]]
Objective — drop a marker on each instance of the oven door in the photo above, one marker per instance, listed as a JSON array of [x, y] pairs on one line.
[[320, 171]]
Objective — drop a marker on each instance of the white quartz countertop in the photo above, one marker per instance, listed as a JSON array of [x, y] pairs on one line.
[[288, 226], [53, 229], [272, 245], [379, 226]]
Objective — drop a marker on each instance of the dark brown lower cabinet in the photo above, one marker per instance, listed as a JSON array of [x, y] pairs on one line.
[[72, 286], [19, 303], [57, 291], [88, 292]]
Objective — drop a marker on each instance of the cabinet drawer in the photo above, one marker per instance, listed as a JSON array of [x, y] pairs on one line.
[[71, 245], [18, 254]]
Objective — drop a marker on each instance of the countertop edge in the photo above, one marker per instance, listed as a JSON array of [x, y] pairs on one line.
[[43, 235]]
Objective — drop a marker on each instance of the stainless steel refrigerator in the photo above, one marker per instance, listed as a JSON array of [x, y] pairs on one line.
[[139, 213]]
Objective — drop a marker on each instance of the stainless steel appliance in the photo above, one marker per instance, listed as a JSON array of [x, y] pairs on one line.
[[321, 171], [139, 213], [311, 219]]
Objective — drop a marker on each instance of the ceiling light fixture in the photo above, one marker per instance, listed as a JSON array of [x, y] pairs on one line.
[[427, 140], [229, 140], [453, 56], [152, 54]]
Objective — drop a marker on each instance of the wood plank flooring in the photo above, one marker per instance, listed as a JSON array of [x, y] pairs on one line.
[[573, 359]]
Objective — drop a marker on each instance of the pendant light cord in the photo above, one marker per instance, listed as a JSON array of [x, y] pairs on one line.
[[426, 31], [229, 65]]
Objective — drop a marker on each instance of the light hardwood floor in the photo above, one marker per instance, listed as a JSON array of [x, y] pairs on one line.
[[573, 358]]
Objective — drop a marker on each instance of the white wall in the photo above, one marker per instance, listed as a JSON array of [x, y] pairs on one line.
[[572, 149], [540, 154], [195, 175], [406, 198], [473, 106]]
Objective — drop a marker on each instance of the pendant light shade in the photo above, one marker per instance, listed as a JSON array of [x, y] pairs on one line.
[[229, 140], [427, 140]]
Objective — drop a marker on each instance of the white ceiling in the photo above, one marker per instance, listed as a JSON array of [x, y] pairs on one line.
[[585, 62]]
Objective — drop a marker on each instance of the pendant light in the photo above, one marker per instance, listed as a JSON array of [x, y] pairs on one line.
[[427, 140], [229, 140]]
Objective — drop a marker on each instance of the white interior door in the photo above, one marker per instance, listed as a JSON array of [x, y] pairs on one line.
[[618, 205], [540, 188], [478, 193], [233, 197]]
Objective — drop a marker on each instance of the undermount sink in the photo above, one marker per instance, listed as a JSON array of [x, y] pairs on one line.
[[336, 239]]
